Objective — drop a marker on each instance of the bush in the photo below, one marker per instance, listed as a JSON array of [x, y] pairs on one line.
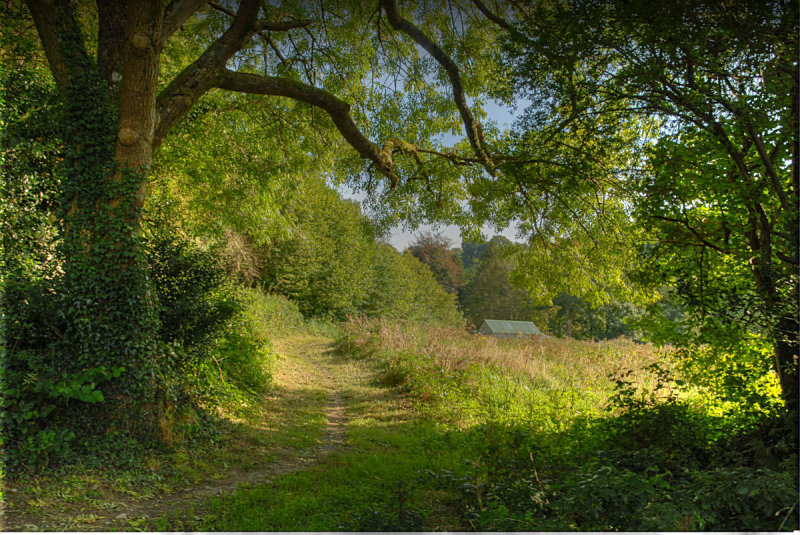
[[196, 298], [49, 403], [270, 315]]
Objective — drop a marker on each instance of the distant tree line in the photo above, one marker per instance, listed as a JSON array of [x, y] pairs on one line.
[[480, 274]]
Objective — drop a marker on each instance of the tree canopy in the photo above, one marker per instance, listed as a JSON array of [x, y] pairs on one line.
[[659, 149], [707, 96]]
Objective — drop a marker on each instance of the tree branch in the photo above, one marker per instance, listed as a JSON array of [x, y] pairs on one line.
[[337, 109], [493, 17], [268, 26], [283, 26], [471, 124], [770, 168], [55, 23], [176, 13], [222, 9], [271, 43], [181, 94], [691, 229]]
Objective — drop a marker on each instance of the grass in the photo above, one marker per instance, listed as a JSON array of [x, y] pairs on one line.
[[452, 432], [371, 484], [288, 418], [426, 408], [420, 428], [475, 378]]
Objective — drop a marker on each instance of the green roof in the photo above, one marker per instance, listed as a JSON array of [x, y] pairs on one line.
[[508, 327]]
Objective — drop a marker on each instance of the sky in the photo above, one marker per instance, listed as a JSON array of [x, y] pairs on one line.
[[400, 238]]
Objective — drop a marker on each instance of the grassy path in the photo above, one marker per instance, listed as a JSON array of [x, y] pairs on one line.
[[365, 476], [302, 421]]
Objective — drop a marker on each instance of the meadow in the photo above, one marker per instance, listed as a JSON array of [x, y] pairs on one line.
[[375, 425], [454, 431]]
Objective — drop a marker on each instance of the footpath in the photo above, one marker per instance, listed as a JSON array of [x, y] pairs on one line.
[[310, 384]]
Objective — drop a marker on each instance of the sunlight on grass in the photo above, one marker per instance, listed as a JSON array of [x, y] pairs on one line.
[[419, 400], [471, 378]]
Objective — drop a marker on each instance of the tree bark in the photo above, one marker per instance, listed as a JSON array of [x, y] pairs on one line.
[[137, 96], [786, 361], [111, 41]]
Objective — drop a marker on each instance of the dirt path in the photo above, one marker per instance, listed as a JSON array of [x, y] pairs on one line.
[[305, 363]]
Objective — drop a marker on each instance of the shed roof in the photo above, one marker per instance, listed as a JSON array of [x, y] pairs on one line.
[[508, 327]]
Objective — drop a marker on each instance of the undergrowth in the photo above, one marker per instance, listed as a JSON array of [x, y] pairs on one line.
[[563, 435], [213, 422], [453, 432]]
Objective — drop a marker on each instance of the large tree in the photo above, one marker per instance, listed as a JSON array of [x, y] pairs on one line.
[[122, 96], [714, 88]]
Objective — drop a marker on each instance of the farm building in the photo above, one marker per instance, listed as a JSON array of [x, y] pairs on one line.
[[509, 329]]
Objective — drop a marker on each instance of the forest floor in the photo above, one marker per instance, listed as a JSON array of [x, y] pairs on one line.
[[301, 422]]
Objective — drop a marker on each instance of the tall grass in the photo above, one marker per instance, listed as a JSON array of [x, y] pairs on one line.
[[482, 377], [663, 459], [537, 357]]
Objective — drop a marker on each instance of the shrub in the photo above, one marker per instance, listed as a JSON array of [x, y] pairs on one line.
[[49, 403], [196, 298], [270, 315]]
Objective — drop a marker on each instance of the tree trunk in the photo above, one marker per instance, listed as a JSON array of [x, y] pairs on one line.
[[106, 303], [786, 363], [784, 332]]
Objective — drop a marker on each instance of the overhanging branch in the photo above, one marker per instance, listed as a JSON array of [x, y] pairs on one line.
[[181, 94], [471, 124], [176, 13], [267, 26], [493, 16], [337, 109]]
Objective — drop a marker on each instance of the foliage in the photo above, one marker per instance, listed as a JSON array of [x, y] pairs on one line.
[[243, 174], [488, 293], [325, 266], [332, 266], [573, 317], [435, 252], [270, 316], [494, 290], [196, 298], [713, 92], [46, 401], [739, 376], [649, 453], [471, 252], [405, 288], [31, 386], [35, 398], [29, 194]]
